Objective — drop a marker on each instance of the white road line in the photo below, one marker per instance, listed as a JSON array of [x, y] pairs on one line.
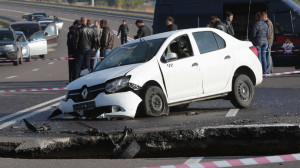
[[10, 77], [35, 69], [193, 160], [232, 112], [14, 11], [30, 108], [50, 63], [26, 116]]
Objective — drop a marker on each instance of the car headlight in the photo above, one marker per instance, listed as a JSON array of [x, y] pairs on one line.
[[9, 47], [117, 84]]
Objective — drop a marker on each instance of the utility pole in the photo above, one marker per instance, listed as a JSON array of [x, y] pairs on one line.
[[92, 3]]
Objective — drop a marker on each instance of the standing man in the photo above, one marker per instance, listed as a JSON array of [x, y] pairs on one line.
[[260, 39], [84, 42], [270, 42], [98, 32], [215, 22], [71, 47], [107, 39], [170, 24], [228, 23], [143, 30], [124, 31]]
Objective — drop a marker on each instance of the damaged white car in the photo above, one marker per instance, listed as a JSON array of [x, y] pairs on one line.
[[149, 75]]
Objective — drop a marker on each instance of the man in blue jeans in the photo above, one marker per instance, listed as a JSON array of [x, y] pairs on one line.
[[107, 39], [85, 40], [260, 40]]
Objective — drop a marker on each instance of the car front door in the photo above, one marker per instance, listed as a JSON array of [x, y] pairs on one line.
[[182, 75], [37, 44], [50, 33], [216, 61]]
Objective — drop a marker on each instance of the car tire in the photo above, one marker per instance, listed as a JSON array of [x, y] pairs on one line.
[[42, 56], [242, 93], [155, 102]]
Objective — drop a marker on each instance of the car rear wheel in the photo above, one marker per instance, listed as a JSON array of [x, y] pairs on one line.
[[242, 93], [155, 102]]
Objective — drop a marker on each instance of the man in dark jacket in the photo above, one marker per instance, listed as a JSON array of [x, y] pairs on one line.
[[123, 29], [85, 40], [215, 22], [228, 23], [260, 39], [170, 24], [143, 30], [71, 47], [107, 39]]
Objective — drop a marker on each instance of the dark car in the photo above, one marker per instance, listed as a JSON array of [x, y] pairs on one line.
[[10, 47], [33, 16]]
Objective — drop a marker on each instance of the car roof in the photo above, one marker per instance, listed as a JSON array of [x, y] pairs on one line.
[[170, 33]]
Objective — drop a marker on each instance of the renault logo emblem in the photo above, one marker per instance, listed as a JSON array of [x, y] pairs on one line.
[[84, 93]]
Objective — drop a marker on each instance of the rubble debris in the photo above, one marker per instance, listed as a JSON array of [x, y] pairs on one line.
[[245, 121], [192, 113], [55, 113], [32, 128]]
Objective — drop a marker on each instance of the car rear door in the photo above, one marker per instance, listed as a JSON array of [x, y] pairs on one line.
[[181, 76], [216, 62], [37, 44], [50, 33]]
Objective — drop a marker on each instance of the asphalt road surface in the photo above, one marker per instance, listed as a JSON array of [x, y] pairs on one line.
[[276, 99]]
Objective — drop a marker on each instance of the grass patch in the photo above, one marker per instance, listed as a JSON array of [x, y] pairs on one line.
[[4, 23]]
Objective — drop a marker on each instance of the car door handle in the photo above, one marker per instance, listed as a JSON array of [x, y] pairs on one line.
[[227, 57], [195, 64]]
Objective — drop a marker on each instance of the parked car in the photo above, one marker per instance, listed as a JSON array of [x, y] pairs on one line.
[[147, 76], [33, 16], [29, 28], [25, 45], [10, 47], [44, 22]]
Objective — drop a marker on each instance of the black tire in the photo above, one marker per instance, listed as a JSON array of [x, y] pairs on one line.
[[242, 93], [42, 56], [155, 102]]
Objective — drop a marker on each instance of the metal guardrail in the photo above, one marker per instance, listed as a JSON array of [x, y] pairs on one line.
[[114, 12]]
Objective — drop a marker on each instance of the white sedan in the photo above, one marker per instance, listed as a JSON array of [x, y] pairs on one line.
[[149, 75]]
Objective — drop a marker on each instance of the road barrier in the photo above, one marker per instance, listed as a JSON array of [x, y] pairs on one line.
[[239, 162], [281, 73]]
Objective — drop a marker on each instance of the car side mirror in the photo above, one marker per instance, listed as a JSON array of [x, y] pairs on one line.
[[46, 33], [171, 56]]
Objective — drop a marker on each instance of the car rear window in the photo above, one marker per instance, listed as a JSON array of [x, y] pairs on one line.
[[6, 36]]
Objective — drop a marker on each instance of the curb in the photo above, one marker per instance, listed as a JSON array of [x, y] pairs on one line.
[[206, 141]]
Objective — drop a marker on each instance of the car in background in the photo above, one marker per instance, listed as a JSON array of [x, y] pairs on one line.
[[25, 45], [44, 22], [40, 13], [36, 16], [10, 47], [59, 23], [29, 28], [147, 76]]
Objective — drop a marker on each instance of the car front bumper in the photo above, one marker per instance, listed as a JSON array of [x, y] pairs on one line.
[[123, 105]]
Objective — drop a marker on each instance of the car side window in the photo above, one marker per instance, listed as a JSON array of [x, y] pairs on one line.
[[181, 46], [220, 41], [37, 36], [206, 41]]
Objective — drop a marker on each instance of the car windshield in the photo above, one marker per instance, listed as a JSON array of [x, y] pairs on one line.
[[27, 29], [21, 37], [133, 53], [6, 36], [37, 36]]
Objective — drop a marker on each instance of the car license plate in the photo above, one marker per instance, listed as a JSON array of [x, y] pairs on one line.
[[84, 106]]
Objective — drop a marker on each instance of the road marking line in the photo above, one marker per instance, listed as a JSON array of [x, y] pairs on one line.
[[14, 11], [30, 108], [10, 77], [26, 116], [193, 160], [232, 112], [50, 63], [35, 69]]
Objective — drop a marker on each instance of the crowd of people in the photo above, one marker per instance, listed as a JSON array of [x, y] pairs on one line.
[[262, 35]]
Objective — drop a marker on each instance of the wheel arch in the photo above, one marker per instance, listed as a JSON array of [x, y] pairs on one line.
[[246, 71], [150, 83]]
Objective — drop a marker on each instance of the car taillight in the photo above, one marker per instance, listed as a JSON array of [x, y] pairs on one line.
[[254, 50]]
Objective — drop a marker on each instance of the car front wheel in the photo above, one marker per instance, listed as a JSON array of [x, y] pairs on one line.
[[155, 102], [242, 93]]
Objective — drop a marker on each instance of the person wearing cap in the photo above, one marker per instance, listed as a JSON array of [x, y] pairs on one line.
[[71, 48]]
